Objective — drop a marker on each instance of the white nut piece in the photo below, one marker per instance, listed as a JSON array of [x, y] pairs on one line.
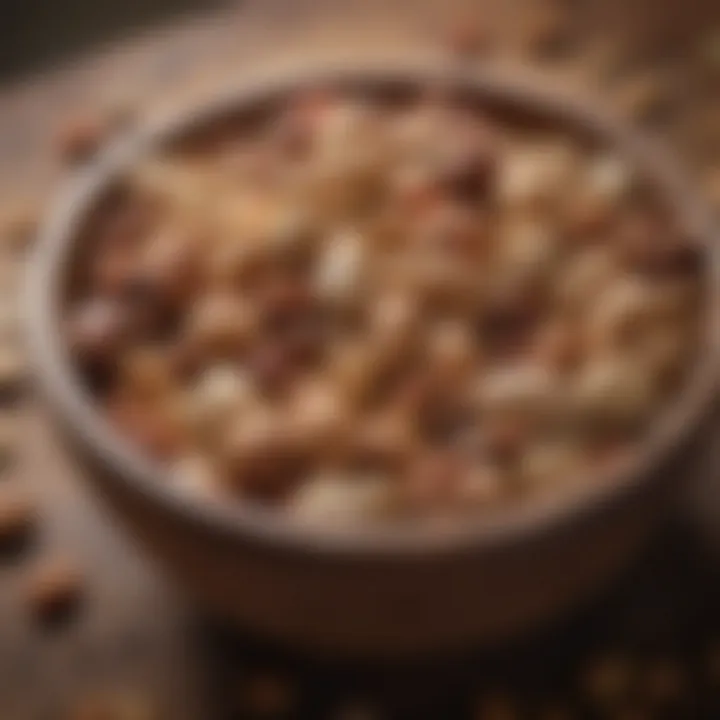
[[608, 178], [529, 175], [222, 391], [527, 248], [193, 476], [524, 387], [341, 267], [614, 390], [628, 309], [551, 464], [339, 499]]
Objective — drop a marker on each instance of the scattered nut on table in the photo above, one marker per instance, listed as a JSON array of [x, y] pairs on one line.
[[54, 587], [17, 513]]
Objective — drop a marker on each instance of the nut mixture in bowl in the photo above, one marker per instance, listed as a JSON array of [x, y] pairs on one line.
[[359, 310]]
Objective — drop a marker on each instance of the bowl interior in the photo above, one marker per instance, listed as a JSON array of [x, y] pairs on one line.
[[68, 233]]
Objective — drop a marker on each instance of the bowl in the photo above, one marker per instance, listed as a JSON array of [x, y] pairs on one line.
[[390, 591]]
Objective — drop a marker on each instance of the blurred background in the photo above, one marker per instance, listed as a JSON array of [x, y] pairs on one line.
[[132, 650]]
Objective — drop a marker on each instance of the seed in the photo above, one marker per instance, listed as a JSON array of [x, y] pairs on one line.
[[54, 589]]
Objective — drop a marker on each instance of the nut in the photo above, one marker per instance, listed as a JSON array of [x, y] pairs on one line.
[[54, 588]]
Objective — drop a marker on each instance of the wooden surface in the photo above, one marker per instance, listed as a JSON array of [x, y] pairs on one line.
[[133, 636]]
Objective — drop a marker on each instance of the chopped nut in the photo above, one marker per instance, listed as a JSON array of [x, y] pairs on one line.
[[336, 499], [341, 268], [221, 324]]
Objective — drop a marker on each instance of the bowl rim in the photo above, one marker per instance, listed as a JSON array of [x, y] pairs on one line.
[[72, 402]]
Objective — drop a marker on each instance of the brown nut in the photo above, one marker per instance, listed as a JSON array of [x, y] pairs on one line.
[[648, 246], [262, 455], [157, 430], [79, 137], [146, 373], [468, 162], [273, 367], [169, 265], [17, 515], [54, 588], [382, 442], [96, 332], [322, 417], [430, 483], [452, 352], [558, 346], [221, 323], [459, 231], [112, 270]]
